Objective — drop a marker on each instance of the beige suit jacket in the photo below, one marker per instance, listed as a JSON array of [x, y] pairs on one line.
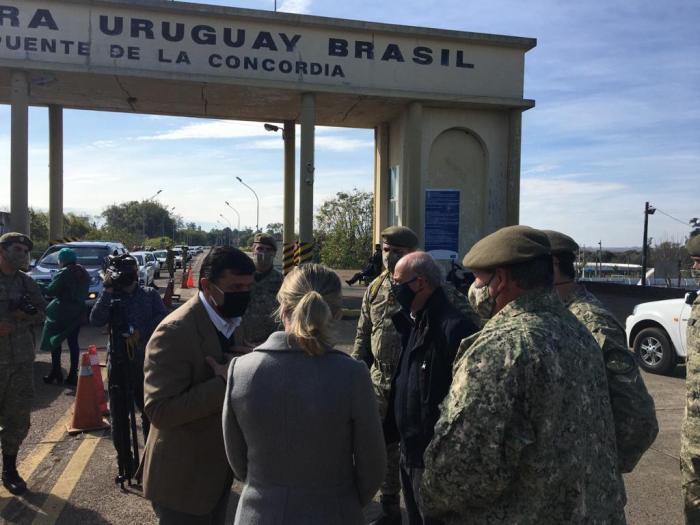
[[184, 463]]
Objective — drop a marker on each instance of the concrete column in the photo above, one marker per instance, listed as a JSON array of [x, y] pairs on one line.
[[289, 172], [381, 180], [411, 176], [306, 174], [19, 152], [513, 181], [55, 172]]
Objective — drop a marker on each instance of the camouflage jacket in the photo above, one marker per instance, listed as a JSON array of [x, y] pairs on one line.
[[19, 345], [526, 433], [377, 342], [259, 319], [633, 408], [690, 434]]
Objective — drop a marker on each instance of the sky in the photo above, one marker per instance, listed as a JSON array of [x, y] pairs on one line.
[[616, 124]]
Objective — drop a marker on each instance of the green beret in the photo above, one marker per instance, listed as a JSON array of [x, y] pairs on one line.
[[265, 238], [400, 236], [509, 245], [12, 237], [693, 246], [560, 243]]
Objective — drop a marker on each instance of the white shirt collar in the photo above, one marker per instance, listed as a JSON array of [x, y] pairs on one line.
[[225, 326]]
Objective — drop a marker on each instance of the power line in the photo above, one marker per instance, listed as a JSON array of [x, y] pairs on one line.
[[685, 223]]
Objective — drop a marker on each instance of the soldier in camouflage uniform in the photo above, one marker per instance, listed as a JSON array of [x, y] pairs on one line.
[[526, 432], [259, 320], [21, 310], [170, 261], [633, 408], [378, 344], [690, 432]]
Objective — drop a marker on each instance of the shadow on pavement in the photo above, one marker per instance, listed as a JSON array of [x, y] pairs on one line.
[[44, 394], [26, 509]]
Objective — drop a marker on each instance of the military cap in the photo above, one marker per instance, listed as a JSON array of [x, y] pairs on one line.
[[400, 236], [12, 237], [693, 246], [509, 245], [265, 238], [560, 242]]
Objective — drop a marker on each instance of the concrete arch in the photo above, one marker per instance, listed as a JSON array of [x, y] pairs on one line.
[[458, 160]]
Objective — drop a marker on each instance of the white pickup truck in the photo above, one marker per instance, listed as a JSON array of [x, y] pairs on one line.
[[657, 332]]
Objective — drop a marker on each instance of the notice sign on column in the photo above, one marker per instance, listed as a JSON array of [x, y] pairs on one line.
[[442, 220]]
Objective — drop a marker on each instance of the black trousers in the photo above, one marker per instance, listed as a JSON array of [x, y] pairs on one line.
[[410, 484]]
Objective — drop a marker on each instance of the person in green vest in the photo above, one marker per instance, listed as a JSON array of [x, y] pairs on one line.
[[69, 289]]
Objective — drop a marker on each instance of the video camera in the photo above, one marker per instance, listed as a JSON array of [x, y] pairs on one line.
[[120, 270]]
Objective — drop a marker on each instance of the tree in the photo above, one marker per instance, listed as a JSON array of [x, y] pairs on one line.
[[344, 229], [141, 219], [274, 228]]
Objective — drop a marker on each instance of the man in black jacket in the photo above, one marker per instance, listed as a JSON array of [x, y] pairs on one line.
[[431, 330]]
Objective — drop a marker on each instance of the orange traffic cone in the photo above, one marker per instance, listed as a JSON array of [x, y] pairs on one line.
[[86, 410], [190, 281], [183, 283], [168, 295], [97, 379]]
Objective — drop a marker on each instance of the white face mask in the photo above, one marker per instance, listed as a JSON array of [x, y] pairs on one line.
[[263, 261], [481, 300]]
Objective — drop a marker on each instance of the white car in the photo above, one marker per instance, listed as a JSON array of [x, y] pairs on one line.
[[148, 266], [657, 332]]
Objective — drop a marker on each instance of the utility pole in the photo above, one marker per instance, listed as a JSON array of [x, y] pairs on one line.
[[600, 259], [648, 210]]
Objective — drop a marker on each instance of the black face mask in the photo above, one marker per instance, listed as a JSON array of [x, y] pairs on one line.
[[234, 305], [403, 294]]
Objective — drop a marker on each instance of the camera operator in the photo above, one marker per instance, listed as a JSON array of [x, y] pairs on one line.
[[21, 310], [142, 308]]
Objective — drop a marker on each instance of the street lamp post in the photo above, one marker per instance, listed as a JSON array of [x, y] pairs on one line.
[[229, 225], [257, 216], [144, 215], [238, 216]]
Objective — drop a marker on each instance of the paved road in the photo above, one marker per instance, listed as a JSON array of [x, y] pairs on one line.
[[71, 478]]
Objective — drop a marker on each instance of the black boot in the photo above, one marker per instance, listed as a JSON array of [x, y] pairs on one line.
[[391, 510], [10, 477], [72, 377], [56, 375]]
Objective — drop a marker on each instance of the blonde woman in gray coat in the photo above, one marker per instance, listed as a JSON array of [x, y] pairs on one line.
[[301, 425]]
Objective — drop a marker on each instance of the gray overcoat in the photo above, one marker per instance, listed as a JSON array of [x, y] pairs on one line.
[[304, 435]]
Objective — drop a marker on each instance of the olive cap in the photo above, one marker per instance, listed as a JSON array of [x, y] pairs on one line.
[[12, 237], [509, 245], [560, 242], [265, 238], [693, 246], [400, 236]]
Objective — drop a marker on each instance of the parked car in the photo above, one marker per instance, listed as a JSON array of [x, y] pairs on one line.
[[657, 332], [90, 254], [161, 256], [148, 267], [178, 251]]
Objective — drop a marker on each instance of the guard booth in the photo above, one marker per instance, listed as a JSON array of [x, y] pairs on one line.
[[445, 105]]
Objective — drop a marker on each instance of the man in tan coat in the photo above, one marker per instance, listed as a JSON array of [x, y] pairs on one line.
[[185, 471]]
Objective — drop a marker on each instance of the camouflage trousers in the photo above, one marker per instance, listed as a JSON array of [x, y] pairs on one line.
[[690, 476], [391, 486], [16, 394]]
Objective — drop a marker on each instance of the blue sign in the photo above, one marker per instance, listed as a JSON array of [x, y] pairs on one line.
[[442, 220]]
